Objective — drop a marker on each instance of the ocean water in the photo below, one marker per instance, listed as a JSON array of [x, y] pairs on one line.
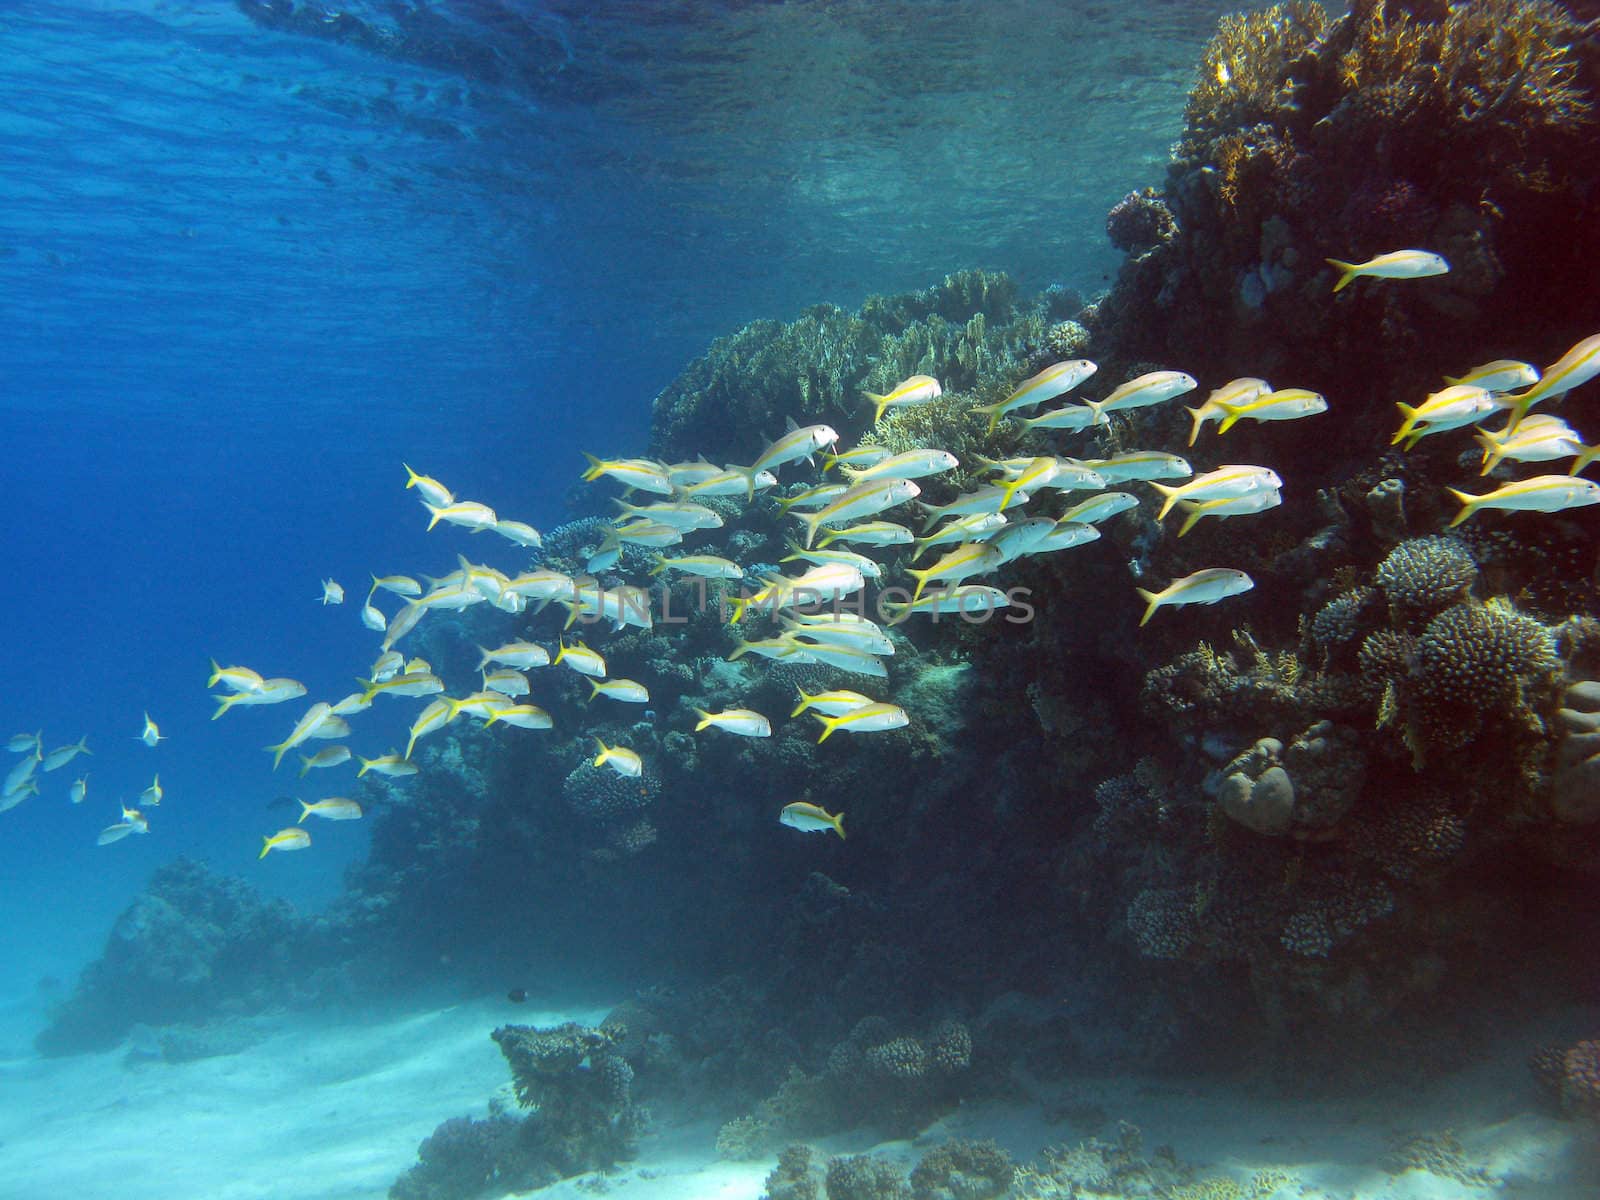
[[253, 257]]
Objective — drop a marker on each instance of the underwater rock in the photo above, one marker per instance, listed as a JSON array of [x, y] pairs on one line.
[[1305, 790], [963, 1170], [863, 1177], [1386, 508], [1575, 783]]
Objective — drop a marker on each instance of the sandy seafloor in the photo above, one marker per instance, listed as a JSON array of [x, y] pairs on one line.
[[335, 1111]]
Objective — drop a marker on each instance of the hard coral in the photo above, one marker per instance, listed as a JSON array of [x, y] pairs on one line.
[[1475, 666], [1139, 222], [1425, 576], [963, 1170], [862, 1177], [1244, 67]]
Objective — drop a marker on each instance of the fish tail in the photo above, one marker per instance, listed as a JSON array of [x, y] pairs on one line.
[[277, 753], [305, 768], [266, 842], [838, 825], [1469, 505], [921, 576], [660, 565], [412, 478], [1099, 409], [1586, 455], [596, 468], [1197, 422], [1519, 411], [879, 403], [805, 703], [827, 540], [604, 756], [829, 461], [572, 612], [811, 524], [795, 551], [1171, 494], [1195, 513], [594, 688], [705, 719], [1230, 417], [305, 811], [1406, 425], [366, 765], [1347, 272], [829, 724], [1492, 452], [486, 656], [216, 674], [1152, 602], [749, 474], [436, 512], [224, 703]]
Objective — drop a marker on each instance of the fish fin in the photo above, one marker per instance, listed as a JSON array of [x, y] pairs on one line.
[[805, 702], [660, 565], [1098, 407], [838, 825], [1171, 494], [305, 811], [216, 674], [435, 511], [705, 719], [1197, 421], [1347, 272], [1152, 602], [411, 476], [277, 753], [1195, 513], [266, 842], [811, 522], [594, 688], [1586, 455], [224, 703], [829, 724], [1407, 424], [305, 768], [596, 468], [1469, 505], [366, 765], [601, 758]]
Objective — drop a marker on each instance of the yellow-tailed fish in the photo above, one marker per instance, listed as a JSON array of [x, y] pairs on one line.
[[965, 561], [619, 758], [400, 585], [648, 533], [1574, 368], [390, 764], [521, 655], [813, 497], [429, 490], [507, 682], [1223, 483], [984, 500], [971, 528], [1397, 264], [332, 593], [1153, 388], [784, 648], [1053, 381], [832, 703], [1035, 475], [468, 514], [741, 721], [624, 605], [870, 533], [1285, 404], [412, 683], [1542, 493], [328, 756], [1539, 438], [580, 658], [523, 716], [605, 555], [434, 717], [404, 622], [334, 808], [417, 665], [115, 833], [629, 691], [519, 533], [975, 600], [731, 482], [373, 619], [151, 733], [1202, 587], [481, 705], [316, 717], [680, 514], [1449, 408], [293, 838], [20, 774], [273, 691], [811, 818], [154, 794], [642, 474], [1064, 536], [1235, 392], [861, 456], [706, 566], [687, 474], [1501, 375], [1140, 465], [846, 658], [1020, 537], [236, 679], [65, 754], [797, 442], [1100, 508], [1072, 418], [868, 568], [542, 584], [387, 666], [1255, 502], [914, 390], [869, 718], [913, 464], [857, 634]]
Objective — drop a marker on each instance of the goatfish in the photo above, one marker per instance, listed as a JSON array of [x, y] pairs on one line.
[[1071, 418], [831, 703], [412, 683], [965, 561], [19, 775], [332, 593], [913, 464], [400, 585], [624, 605], [542, 584], [78, 790], [507, 682], [293, 838], [629, 691], [404, 622], [731, 482], [328, 756], [605, 555], [871, 533], [636, 474], [317, 716], [987, 499], [581, 659], [648, 533], [846, 658], [519, 533], [436, 716], [1035, 474], [373, 618], [1053, 381], [1100, 508], [353, 703], [468, 514], [797, 442], [154, 794], [1537, 439], [828, 581], [429, 489], [1064, 536], [390, 764], [1397, 264], [132, 822], [1542, 493], [1501, 375], [1450, 408], [273, 691], [869, 569], [521, 655], [784, 647], [335, 808], [523, 716], [813, 497], [869, 718], [9, 800], [861, 456], [619, 758], [26, 743], [1254, 502], [1234, 392], [811, 818], [151, 733], [237, 679], [680, 514], [1203, 587], [863, 500], [914, 390], [61, 757], [482, 705], [1574, 368], [387, 666], [1224, 483], [1285, 404], [1020, 537], [1154, 388], [742, 721], [686, 474], [1141, 465], [706, 566], [970, 528], [857, 633]]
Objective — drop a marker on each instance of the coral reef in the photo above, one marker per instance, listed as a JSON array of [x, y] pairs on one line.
[[963, 1170], [792, 1178], [863, 1177], [466, 1158], [1569, 1077], [581, 1091]]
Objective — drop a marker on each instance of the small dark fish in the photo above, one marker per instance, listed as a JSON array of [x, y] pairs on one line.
[[517, 995], [288, 802]]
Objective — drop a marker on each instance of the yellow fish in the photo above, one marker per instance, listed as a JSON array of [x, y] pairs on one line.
[[1397, 264], [1202, 587], [1542, 493], [619, 758], [811, 818], [917, 389], [335, 808], [293, 838]]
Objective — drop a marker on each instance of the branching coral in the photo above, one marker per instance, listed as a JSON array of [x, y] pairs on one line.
[[1243, 69]]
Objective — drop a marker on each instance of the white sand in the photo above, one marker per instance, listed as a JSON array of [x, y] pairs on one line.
[[335, 1112]]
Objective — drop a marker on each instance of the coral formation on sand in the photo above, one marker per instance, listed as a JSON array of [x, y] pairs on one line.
[[863, 1177], [963, 1170], [793, 1177]]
